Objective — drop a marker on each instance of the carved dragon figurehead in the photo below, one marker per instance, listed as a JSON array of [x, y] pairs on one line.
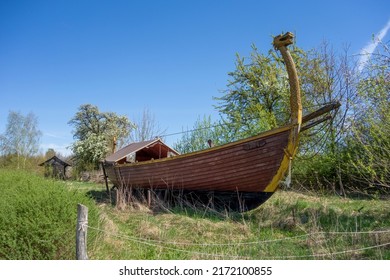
[[280, 43], [283, 40]]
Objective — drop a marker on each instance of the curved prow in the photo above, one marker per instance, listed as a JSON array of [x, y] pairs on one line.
[[280, 43]]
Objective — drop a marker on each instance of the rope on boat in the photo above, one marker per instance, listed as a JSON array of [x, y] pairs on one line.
[[287, 182]]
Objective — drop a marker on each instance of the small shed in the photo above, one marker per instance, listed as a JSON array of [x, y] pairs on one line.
[[142, 151], [55, 167]]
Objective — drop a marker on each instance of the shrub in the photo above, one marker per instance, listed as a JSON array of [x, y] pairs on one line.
[[38, 217]]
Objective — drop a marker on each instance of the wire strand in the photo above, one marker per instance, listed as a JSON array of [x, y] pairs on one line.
[[156, 244]]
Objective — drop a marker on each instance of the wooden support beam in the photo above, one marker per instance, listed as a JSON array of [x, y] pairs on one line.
[[321, 111], [105, 178], [312, 124], [149, 198]]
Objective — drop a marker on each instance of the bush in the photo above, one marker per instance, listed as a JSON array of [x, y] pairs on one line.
[[317, 173], [38, 217]]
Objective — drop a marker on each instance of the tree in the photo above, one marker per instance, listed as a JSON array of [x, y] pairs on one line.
[[368, 144], [257, 94], [329, 77], [145, 128], [21, 138], [96, 133]]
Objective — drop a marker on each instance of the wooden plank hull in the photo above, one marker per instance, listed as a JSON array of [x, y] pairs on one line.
[[244, 167]]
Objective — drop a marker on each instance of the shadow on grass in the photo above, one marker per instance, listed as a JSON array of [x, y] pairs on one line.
[[192, 209], [100, 196], [203, 212], [198, 211]]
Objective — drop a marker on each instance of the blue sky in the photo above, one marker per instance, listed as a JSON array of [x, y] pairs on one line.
[[168, 56]]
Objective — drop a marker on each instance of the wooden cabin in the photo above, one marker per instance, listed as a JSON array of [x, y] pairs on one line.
[[142, 151], [56, 168]]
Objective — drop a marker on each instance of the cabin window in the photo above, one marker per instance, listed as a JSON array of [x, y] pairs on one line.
[[171, 154]]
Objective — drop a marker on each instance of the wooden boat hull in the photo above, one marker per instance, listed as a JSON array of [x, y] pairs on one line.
[[232, 173]]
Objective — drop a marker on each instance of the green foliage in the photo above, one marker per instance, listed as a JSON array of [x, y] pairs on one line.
[[257, 95], [95, 133], [30, 163], [90, 151], [356, 155], [38, 217], [197, 138], [368, 155], [318, 173], [367, 149]]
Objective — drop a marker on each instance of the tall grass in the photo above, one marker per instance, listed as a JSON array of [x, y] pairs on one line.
[[288, 226], [38, 217]]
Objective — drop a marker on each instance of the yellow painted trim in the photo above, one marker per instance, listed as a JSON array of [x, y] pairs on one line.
[[290, 151]]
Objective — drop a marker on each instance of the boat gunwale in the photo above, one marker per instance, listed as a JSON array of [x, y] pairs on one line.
[[216, 148]]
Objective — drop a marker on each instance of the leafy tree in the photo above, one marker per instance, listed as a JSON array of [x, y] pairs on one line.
[[257, 94], [21, 138], [96, 133]]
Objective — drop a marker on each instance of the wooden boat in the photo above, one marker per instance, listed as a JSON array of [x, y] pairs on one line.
[[239, 175]]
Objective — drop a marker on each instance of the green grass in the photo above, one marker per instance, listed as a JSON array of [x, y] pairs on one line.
[[289, 225]]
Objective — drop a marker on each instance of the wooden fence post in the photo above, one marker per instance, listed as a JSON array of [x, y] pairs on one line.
[[81, 232]]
